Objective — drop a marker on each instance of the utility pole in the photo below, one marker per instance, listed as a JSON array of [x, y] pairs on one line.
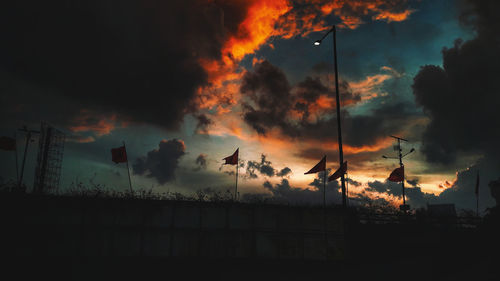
[[403, 207], [28, 140], [128, 171]]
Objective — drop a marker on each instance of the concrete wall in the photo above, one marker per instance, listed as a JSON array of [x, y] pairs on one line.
[[110, 227]]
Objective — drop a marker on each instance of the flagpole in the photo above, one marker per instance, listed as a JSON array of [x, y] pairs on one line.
[[477, 194], [128, 170], [324, 188], [477, 204], [339, 129], [28, 138], [236, 185], [347, 188], [324, 212], [17, 165]]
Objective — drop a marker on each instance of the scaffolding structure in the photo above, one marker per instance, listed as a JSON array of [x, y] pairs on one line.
[[49, 159]]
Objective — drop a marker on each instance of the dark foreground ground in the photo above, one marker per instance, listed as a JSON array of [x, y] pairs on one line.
[[391, 251], [376, 253], [431, 268]]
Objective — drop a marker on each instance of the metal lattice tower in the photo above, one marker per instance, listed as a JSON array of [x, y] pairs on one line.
[[49, 159]]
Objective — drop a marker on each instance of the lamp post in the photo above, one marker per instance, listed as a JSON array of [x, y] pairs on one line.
[[341, 154]]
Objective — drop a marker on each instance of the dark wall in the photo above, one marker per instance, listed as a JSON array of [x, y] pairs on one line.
[[60, 226]]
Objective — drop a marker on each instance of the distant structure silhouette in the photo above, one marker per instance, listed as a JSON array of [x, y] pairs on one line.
[[49, 159]]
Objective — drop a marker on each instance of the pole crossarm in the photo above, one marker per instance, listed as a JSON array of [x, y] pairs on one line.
[[326, 34]]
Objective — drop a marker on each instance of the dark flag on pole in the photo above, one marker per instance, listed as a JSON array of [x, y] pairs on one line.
[[119, 155], [321, 166], [233, 159], [7, 143], [398, 174], [342, 170]]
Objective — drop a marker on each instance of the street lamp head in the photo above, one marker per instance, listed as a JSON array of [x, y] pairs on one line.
[[317, 42]]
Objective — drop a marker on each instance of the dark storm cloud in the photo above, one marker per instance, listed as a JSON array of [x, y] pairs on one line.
[[264, 168], [269, 90], [201, 162], [385, 120], [203, 123], [413, 182], [462, 192], [462, 97], [139, 59], [309, 91], [322, 67], [414, 195], [377, 186], [283, 192], [251, 170], [273, 100], [359, 130], [284, 172], [353, 182], [161, 163]]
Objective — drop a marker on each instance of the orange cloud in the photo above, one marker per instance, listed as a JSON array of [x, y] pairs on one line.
[[348, 149], [265, 19], [292, 24], [224, 75], [389, 17], [80, 139], [257, 27], [350, 12], [366, 87], [321, 105], [96, 124]]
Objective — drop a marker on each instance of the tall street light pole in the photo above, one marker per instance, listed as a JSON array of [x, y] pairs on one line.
[[341, 153]]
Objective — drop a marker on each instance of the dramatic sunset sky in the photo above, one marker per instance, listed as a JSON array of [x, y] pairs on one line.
[[186, 82]]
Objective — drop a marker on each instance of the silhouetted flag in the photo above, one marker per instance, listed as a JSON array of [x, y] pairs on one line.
[[321, 166], [477, 184], [398, 174], [119, 155], [233, 159], [342, 170], [7, 143]]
